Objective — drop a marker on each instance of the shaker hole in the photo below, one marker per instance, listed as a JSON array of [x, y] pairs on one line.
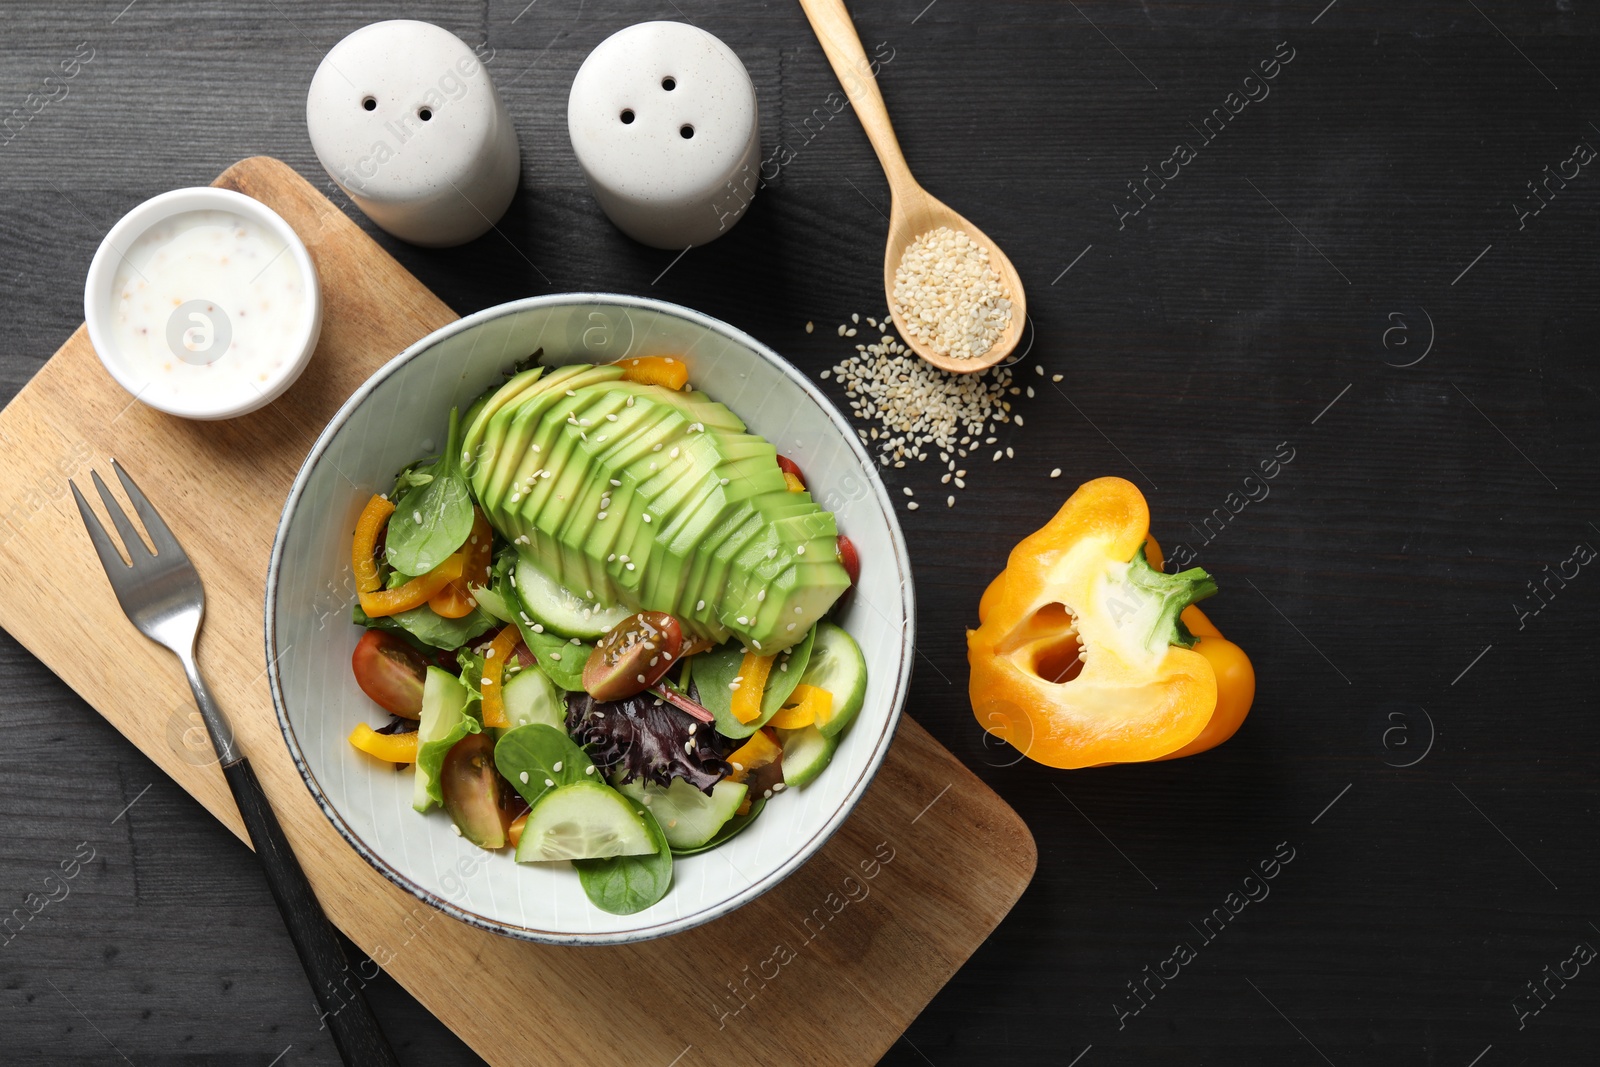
[[686, 131], [669, 84], [627, 115], [369, 104], [425, 114]]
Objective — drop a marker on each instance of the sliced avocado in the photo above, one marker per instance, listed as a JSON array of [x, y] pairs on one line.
[[701, 509]]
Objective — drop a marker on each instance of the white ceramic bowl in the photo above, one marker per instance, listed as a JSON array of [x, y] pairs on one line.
[[194, 401], [400, 414]]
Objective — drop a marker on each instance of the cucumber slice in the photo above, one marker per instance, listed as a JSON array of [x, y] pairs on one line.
[[687, 816], [531, 697], [558, 609], [444, 721], [837, 666], [583, 821], [805, 752], [732, 828]]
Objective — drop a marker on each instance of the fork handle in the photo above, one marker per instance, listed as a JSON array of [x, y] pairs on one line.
[[338, 988]]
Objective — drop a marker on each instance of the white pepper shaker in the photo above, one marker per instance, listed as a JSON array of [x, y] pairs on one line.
[[403, 116], [664, 122]]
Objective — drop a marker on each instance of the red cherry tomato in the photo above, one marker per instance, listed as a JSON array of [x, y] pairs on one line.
[[849, 559], [633, 655], [391, 672]]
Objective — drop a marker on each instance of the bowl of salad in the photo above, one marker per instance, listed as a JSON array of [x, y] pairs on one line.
[[588, 619]]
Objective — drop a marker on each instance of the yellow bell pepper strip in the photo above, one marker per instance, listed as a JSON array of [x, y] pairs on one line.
[[396, 748], [364, 549], [413, 594], [1236, 678], [655, 370], [808, 705], [759, 751], [752, 681], [495, 658], [455, 600], [1079, 658]]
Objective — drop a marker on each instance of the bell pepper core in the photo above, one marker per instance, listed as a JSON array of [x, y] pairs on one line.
[[494, 669], [656, 370], [808, 705], [1080, 657], [753, 671], [396, 748]]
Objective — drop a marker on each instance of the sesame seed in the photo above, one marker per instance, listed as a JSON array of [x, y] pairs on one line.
[[549, 782], [791, 626], [537, 627], [589, 769], [951, 297], [1038, 368], [842, 328], [997, 455], [800, 550], [556, 656], [416, 517], [524, 777], [556, 766], [761, 595], [700, 606], [1010, 454], [855, 318], [911, 505], [778, 787], [810, 326], [647, 516], [1056, 473], [906, 490], [630, 566]]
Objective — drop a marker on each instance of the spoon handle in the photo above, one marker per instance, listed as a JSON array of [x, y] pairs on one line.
[[831, 23]]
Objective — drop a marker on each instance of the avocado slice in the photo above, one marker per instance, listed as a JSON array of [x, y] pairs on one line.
[[700, 508]]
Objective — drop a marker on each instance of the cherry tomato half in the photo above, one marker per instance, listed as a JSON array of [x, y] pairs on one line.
[[633, 655], [849, 559], [789, 466], [391, 672]]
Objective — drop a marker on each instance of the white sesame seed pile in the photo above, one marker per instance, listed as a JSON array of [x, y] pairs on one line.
[[951, 300], [917, 410]]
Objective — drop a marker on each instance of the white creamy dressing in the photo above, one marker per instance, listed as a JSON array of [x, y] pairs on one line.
[[207, 303]]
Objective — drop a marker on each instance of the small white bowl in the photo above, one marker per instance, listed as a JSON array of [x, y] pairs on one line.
[[199, 402], [402, 412]]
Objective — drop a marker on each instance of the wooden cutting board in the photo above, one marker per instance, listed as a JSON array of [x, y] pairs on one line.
[[828, 968]]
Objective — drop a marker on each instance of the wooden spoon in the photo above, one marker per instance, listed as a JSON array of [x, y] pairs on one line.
[[913, 210]]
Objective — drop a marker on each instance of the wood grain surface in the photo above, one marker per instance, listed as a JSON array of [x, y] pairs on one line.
[[950, 870], [1253, 302]]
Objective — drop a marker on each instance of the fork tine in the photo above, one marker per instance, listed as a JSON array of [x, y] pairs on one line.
[[160, 536], [113, 564], [132, 543]]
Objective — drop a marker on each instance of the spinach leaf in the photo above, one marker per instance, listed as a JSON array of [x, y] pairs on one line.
[[714, 672], [560, 659], [529, 756], [433, 518], [431, 628], [623, 885]]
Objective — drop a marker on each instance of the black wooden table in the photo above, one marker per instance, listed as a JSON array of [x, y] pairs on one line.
[[1379, 262]]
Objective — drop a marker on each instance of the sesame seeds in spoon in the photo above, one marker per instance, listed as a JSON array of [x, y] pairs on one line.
[[954, 296]]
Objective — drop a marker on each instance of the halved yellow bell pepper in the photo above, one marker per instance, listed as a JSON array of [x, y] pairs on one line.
[[395, 748], [1080, 657]]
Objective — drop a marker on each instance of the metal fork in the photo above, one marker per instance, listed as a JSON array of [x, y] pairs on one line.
[[161, 594]]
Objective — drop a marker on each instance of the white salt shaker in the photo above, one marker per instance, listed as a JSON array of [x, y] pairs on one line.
[[664, 123], [404, 118]]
